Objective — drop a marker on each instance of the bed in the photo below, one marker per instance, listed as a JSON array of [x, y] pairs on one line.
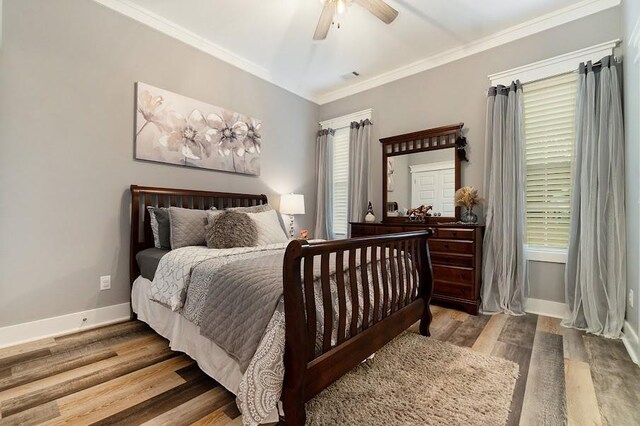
[[343, 300]]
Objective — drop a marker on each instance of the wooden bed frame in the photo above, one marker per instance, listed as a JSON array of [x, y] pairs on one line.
[[394, 310]]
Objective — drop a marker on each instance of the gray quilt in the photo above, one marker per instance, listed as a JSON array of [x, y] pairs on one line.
[[241, 298], [239, 303]]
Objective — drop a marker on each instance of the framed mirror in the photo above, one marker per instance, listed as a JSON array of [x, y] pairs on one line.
[[422, 168]]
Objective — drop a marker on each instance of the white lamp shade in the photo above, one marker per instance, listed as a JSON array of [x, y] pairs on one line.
[[292, 204]]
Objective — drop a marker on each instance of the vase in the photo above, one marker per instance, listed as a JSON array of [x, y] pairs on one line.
[[468, 216]]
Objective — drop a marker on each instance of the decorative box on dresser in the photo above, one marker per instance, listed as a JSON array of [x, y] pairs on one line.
[[456, 257]]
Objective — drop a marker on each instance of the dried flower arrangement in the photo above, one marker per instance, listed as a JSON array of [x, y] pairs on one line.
[[467, 196]]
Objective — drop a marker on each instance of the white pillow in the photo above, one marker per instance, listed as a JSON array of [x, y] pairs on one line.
[[269, 229]]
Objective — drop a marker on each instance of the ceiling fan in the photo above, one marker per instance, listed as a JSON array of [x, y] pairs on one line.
[[379, 8]]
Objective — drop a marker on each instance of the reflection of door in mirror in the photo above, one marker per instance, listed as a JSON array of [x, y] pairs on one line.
[[434, 185], [420, 178]]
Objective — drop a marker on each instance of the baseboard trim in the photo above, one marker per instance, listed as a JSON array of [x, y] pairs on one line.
[[631, 342], [546, 307], [64, 324]]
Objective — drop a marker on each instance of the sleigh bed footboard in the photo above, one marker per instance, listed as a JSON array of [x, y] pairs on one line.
[[344, 300]]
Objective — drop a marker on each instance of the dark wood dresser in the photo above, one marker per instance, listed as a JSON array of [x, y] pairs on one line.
[[456, 256]]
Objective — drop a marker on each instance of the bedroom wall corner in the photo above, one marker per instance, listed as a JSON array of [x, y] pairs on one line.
[[67, 74]]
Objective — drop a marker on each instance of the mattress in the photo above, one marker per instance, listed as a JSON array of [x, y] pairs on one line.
[[148, 260]]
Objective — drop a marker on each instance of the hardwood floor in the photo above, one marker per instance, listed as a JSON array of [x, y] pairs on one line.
[[126, 374]]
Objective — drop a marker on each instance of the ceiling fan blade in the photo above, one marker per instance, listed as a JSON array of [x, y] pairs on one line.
[[382, 10], [326, 18]]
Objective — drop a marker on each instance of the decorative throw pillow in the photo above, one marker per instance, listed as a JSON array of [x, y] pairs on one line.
[[160, 227], [187, 227], [269, 229], [231, 229], [212, 214]]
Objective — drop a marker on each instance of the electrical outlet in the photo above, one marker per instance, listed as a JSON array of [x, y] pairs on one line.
[[631, 298], [105, 282]]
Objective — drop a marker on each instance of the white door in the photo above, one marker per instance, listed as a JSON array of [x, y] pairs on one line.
[[447, 187], [424, 189], [433, 187]]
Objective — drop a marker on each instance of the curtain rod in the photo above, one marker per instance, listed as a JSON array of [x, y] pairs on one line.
[[616, 59]]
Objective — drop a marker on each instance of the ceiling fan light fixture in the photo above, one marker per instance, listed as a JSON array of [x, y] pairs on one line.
[[332, 8]]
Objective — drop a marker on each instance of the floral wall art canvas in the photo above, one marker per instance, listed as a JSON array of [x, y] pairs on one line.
[[175, 129]]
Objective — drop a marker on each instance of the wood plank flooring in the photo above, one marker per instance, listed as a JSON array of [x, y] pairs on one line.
[[126, 374]]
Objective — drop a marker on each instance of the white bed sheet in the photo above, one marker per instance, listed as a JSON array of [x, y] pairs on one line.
[[184, 336]]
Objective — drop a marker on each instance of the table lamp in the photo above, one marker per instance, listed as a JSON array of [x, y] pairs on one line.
[[291, 204]]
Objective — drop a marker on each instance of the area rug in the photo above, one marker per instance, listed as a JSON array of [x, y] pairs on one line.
[[415, 380]]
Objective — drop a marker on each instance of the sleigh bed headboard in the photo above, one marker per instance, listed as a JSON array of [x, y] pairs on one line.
[[145, 196]]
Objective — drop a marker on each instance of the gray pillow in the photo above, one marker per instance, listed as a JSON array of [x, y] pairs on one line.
[[160, 225], [231, 229], [187, 227]]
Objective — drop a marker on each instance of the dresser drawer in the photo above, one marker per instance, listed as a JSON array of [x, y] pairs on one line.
[[451, 246], [454, 274], [362, 230], [454, 233], [381, 230], [453, 259], [463, 291]]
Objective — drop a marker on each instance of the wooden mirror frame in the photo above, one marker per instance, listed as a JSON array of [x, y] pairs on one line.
[[446, 137]]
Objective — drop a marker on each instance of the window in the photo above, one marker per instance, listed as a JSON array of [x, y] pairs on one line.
[[549, 116], [340, 163], [549, 127], [341, 182]]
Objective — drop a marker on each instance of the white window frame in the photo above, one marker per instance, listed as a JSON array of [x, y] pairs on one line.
[[341, 123], [552, 67], [345, 120]]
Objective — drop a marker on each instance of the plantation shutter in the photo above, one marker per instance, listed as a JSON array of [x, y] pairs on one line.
[[549, 126], [340, 181]]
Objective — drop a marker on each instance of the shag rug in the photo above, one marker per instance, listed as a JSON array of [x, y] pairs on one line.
[[415, 380]]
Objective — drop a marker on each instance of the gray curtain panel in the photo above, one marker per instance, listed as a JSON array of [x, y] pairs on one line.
[[595, 276], [504, 266], [359, 169], [324, 177]]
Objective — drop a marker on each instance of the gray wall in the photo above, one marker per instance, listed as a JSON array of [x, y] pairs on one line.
[[67, 73], [631, 18], [457, 92]]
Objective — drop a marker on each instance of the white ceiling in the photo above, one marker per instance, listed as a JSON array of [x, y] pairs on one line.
[[273, 38]]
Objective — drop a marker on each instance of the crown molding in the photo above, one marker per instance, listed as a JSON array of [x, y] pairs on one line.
[[534, 26], [554, 66], [542, 23], [165, 26]]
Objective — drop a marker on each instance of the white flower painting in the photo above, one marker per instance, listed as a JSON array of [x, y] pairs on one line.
[[174, 129]]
